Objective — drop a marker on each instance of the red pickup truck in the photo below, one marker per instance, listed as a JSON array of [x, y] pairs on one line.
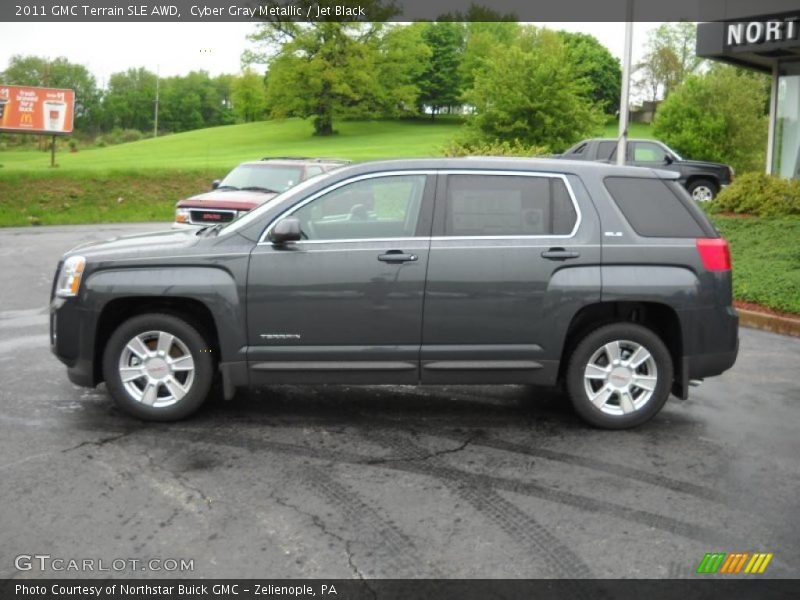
[[247, 186]]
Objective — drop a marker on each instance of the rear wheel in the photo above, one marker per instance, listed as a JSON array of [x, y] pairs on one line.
[[703, 190], [158, 367], [619, 376]]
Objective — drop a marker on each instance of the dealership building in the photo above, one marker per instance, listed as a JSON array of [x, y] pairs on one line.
[[771, 44]]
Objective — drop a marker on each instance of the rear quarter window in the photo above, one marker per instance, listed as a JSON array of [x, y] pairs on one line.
[[653, 208]]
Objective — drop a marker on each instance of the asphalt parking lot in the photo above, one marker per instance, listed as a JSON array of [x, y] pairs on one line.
[[380, 482]]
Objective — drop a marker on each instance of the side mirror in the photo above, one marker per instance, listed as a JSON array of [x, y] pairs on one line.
[[215, 184], [668, 160], [286, 230]]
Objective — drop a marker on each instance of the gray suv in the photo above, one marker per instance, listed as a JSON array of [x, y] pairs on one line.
[[605, 280]]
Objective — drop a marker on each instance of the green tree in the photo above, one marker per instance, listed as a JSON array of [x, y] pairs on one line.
[[440, 82], [481, 39], [669, 59], [403, 56], [324, 68], [602, 70], [130, 100], [717, 116], [248, 96], [531, 92], [195, 100], [59, 73]]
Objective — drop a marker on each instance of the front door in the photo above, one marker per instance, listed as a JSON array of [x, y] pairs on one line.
[[647, 154], [345, 303]]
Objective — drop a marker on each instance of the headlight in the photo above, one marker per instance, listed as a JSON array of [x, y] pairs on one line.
[[69, 280], [182, 215]]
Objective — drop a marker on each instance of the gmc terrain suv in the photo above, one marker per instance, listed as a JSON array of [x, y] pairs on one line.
[[607, 280], [702, 179], [247, 186]]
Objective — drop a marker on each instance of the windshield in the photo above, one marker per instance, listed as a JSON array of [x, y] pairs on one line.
[[671, 151], [272, 178], [253, 215]]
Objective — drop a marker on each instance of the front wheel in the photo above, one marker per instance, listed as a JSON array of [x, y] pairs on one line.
[[703, 190], [619, 376], [158, 367]]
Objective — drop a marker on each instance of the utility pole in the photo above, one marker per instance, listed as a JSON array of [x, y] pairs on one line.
[[155, 118], [626, 84]]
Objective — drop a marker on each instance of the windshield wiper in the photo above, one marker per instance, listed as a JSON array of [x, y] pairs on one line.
[[225, 187], [209, 229], [258, 188]]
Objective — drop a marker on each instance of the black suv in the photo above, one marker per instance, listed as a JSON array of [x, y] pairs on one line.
[[702, 179], [607, 280]]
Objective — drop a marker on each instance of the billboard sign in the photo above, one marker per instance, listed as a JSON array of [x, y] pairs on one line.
[[36, 110]]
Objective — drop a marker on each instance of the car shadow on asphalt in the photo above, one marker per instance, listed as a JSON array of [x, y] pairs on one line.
[[451, 408]]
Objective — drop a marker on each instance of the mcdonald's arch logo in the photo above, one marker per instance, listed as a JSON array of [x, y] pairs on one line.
[[26, 119], [735, 563]]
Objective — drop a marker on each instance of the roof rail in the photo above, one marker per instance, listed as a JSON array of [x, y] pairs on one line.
[[313, 159]]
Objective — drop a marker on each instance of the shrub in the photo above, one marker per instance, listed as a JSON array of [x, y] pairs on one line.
[[458, 148], [759, 194], [119, 136], [718, 116]]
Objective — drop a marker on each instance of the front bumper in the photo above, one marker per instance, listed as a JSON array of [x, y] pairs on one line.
[[72, 334]]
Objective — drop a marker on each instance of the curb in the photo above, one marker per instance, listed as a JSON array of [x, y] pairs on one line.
[[765, 322]]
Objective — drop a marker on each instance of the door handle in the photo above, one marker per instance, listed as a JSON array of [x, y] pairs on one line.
[[559, 254], [397, 256]]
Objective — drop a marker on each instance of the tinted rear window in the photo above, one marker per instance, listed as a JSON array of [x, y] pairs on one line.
[[652, 208], [508, 205]]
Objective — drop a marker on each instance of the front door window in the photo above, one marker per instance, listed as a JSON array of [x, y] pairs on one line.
[[375, 208]]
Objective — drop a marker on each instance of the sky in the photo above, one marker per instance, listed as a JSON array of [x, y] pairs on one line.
[[177, 48]]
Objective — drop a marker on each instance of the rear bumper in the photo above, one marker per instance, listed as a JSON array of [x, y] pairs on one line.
[[701, 366], [710, 345]]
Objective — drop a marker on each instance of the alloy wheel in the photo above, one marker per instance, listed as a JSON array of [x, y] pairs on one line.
[[702, 193], [620, 377], [156, 368]]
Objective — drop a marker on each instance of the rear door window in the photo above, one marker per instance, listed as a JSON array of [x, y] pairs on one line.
[[606, 150], [508, 205], [653, 208]]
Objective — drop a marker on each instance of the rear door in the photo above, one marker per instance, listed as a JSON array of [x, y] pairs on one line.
[[513, 257]]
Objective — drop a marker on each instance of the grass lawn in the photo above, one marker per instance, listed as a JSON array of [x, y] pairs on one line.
[[766, 259], [96, 197], [141, 181], [635, 130], [222, 148]]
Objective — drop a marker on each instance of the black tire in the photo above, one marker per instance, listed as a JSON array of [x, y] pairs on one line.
[[698, 185], [586, 349], [193, 341]]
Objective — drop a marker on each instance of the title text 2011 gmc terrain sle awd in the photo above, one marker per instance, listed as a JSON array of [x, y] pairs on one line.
[[607, 280]]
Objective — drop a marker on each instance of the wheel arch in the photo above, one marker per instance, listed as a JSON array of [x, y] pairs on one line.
[[660, 318], [702, 176], [118, 310]]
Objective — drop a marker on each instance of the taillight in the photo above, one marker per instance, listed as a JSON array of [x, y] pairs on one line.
[[715, 254]]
